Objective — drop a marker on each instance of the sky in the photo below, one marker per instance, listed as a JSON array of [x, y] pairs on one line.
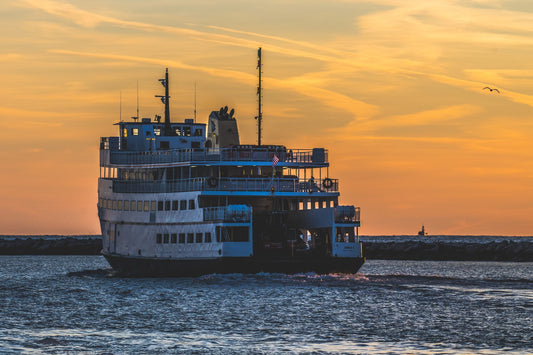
[[393, 89]]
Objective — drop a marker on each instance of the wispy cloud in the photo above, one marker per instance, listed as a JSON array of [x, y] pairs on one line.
[[8, 57], [388, 37], [327, 97]]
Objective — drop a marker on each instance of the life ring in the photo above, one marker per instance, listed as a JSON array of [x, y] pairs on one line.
[[327, 183], [212, 181]]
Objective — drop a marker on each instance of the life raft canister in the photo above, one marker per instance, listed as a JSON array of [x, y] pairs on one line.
[[212, 181], [327, 183]]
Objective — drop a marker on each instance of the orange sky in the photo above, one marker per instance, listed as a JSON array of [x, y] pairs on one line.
[[393, 88]]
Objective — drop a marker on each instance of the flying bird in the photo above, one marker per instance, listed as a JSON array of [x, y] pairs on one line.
[[491, 89]]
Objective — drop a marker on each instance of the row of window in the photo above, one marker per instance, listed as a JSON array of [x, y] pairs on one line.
[[180, 131], [183, 238], [147, 206]]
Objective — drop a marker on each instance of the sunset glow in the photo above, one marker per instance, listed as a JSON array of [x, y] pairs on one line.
[[393, 89]]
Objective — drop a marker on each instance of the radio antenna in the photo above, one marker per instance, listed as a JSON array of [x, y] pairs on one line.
[[137, 98], [166, 100], [120, 107], [259, 116], [195, 102]]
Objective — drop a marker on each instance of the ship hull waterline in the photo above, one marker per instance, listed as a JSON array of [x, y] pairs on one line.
[[129, 266]]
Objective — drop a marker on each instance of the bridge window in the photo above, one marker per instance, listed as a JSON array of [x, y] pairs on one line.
[[157, 131], [187, 131], [198, 132], [178, 131], [134, 131]]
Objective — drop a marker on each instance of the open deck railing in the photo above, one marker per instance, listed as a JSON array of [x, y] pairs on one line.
[[237, 214], [227, 184], [316, 156], [347, 214]]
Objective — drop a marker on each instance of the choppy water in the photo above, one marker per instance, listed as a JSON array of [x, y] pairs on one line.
[[57, 304]]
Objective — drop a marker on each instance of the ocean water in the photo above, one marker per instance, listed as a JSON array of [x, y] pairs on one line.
[[61, 304]]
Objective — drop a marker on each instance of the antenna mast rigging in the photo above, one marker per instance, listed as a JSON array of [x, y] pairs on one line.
[[259, 116], [166, 100]]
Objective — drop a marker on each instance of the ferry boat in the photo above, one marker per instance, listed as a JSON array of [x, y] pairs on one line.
[[187, 199]]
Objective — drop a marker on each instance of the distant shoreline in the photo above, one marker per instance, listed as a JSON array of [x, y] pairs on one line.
[[459, 248]]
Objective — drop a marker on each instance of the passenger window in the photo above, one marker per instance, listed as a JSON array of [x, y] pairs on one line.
[[159, 238], [119, 205], [126, 205], [175, 205], [146, 206], [208, 237], [191, 204], [183, 205], [154, 205], [167, 205], [114, 204], [190, 237], [160, 205], [166, 238], [173, 238], [182, 238], [139, 206], [198, 237]]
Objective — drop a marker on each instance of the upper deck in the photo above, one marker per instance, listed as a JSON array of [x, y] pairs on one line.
[[245, 155]]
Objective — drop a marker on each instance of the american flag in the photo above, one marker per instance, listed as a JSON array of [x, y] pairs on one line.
[[275, 160]]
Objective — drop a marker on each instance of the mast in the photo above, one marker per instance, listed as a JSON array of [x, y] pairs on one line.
[[138, 99], [166, 101], [259, 117]]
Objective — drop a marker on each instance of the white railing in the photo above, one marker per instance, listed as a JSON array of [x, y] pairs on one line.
[[232, 213], [316, 156], [227, 184]]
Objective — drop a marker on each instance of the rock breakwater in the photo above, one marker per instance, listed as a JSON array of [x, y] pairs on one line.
[[503, 250], [50, 245]]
